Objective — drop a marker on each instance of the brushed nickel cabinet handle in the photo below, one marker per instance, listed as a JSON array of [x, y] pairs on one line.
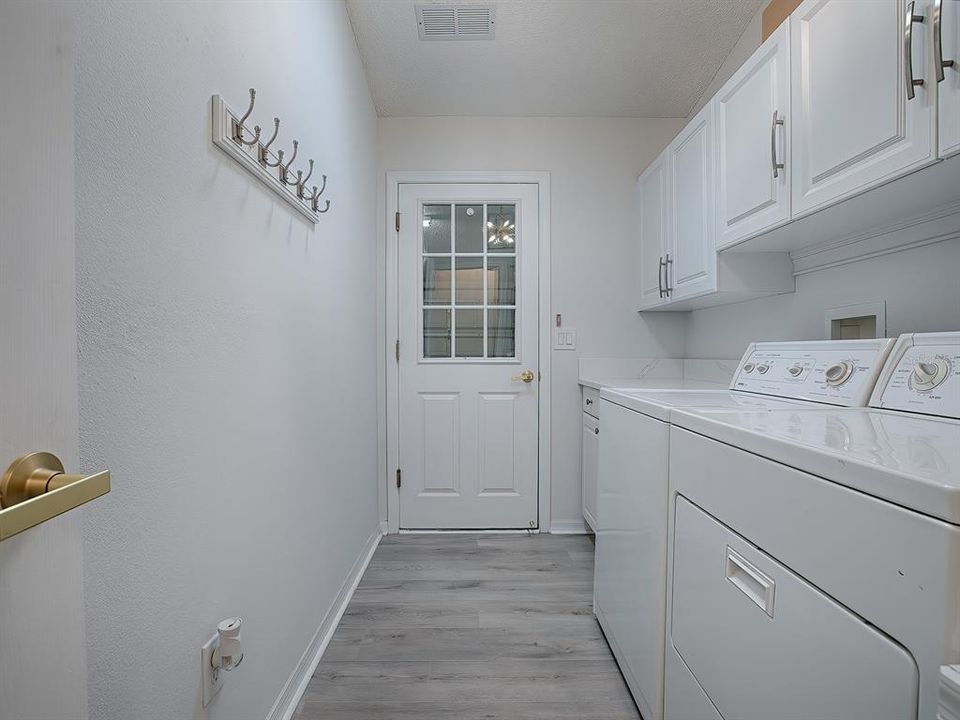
[[938, 62], [911, 81], [777, 167], [666, 275], [660, 274]]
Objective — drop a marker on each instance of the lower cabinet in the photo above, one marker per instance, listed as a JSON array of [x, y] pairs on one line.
[[588, 468]]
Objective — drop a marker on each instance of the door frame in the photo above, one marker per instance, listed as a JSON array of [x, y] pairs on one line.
[[388, 331]]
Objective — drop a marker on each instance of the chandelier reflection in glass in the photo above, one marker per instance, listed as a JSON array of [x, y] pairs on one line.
[[500, 231]]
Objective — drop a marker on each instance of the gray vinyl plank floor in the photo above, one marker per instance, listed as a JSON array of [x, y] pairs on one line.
[[471, 627]]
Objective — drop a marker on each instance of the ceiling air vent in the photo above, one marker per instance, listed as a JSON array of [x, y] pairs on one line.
[[455, 22]]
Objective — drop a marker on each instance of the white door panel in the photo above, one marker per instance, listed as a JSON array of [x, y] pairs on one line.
[[752, 194], [949, 87], [757, 637], [468, 316], [42, 650], [653, 209], [692, 254], [853, 124], [590, 455]]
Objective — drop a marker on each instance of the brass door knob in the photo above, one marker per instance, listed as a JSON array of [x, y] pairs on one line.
[[526, 376], [32, 475]]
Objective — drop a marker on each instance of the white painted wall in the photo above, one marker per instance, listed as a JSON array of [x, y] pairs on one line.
[[593, 165], [226, 347], [920, 287]]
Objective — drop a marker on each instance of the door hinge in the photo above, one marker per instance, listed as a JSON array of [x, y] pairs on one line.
[[397, 221], [396, 350], [399, 478]]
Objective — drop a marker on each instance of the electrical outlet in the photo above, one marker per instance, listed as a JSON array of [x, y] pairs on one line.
[[212, 678], [564, 338]]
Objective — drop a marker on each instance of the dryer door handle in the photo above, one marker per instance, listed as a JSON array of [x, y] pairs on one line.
[[750, 580]]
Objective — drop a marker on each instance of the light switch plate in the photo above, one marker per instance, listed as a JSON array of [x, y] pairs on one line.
[[564, 338], [212, 678]]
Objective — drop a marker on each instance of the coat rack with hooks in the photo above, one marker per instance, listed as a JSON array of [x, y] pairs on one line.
[[273, 168]]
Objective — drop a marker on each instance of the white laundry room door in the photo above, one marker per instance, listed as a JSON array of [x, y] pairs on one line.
[[468, 356], [42, 650]]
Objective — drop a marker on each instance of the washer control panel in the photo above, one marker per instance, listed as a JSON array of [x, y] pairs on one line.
[[838, 372], [922, 376]]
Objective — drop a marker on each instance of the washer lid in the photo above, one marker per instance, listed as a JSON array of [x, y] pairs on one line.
[[658, 403], [909, 460]]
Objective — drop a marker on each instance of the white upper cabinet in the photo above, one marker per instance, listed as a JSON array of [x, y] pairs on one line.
[[946, 58], [752, 112], [853, 66], [652, 190], [691, 253]]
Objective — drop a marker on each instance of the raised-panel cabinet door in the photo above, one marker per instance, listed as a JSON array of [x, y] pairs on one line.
[[855, 125], [588, 470], [652, 207], [947, 57], [692, 254], [752, 112]]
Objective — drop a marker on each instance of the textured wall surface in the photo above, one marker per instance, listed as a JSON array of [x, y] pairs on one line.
[[593, 165], [226, 346], [919, 286]]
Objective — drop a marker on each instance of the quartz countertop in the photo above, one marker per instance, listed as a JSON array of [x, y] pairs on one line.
[[656, 373]]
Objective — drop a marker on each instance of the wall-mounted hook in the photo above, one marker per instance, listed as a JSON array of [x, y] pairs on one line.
[[285, 169], [314, 199], [263, 153], [302, 185], [238, 126]]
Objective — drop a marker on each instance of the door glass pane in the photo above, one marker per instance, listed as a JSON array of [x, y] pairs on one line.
[[436, 281], [501, 228], [436, 228], [436, 334], [469, 229], [469, 280], [501, 333], [469, 333], [502, 280]]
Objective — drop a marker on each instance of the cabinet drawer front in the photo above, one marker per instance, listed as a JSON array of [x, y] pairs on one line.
[[591, 401], [764, 643]]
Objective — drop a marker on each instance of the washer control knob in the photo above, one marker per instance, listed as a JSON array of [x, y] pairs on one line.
[[838, 373], [762, 369], [928, 374], [748, 368], [795, 370]]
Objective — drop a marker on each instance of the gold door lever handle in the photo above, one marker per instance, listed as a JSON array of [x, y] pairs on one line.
[[36, 488], [526, 376]]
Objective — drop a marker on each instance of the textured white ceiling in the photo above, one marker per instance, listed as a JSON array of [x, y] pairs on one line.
[[613, 58]]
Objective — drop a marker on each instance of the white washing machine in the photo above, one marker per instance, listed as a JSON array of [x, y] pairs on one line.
[[814, 553], [632, 501]]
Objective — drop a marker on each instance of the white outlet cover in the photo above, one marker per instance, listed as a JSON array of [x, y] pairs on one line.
[[564, 338], [212, 678]]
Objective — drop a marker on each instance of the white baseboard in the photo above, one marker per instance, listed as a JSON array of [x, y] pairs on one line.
[[569, 527], [296, 685]]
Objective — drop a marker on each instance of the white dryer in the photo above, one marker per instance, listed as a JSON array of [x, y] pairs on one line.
[[814, 553], [630, 580]]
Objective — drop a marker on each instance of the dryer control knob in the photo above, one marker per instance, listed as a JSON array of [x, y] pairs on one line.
[[928, 374], [838, 373]]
